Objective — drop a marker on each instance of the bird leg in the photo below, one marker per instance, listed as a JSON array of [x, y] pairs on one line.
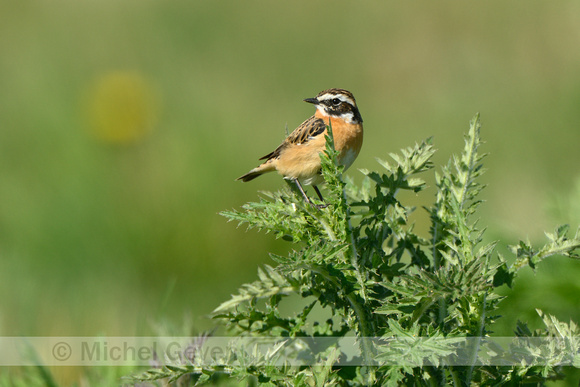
[[319, 206], [302, 190], [318, 193]]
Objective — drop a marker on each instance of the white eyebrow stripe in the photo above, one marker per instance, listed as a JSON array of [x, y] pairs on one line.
[[342, 97]]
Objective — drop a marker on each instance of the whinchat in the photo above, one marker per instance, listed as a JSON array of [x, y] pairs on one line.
[[298, 157]]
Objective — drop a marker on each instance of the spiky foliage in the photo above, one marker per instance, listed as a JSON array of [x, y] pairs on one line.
[[360, 260]]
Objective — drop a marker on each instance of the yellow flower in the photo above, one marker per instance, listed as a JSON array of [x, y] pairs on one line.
[[122, 107]]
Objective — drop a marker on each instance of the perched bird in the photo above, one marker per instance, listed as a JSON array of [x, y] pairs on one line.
[[298, 157]]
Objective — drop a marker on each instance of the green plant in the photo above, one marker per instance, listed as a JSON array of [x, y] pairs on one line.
[[360, 261]]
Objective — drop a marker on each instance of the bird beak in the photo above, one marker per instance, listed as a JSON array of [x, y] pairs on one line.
[[312, 100]]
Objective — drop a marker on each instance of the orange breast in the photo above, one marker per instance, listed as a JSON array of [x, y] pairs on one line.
[[303, 161], [348, 139]]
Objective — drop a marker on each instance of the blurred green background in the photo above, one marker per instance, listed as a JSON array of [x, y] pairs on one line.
[[124, 124]]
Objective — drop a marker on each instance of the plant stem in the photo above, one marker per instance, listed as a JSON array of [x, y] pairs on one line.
[[361, 277], [524, 260], [365, 328], [480, 328]]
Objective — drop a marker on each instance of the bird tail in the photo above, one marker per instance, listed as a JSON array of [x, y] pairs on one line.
[[259, 170], [249, 176]]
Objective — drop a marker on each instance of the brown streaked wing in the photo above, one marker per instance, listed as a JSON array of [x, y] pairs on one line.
[[312, 127]]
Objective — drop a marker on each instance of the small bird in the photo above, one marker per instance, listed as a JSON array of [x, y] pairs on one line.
[[298, 157]]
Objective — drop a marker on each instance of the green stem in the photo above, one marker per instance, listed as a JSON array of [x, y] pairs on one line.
[[481, 326], [365, 328], [436, 265], [361, 277], [471, 157], [540, 256], [327, 228], [455, 377]]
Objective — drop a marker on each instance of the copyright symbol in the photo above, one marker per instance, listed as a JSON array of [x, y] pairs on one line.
[[61, 351]]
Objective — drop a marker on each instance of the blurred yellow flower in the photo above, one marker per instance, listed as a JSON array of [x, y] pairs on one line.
[[122, 107]]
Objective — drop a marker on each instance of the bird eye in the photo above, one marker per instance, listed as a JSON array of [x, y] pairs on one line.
[[336, 101]]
